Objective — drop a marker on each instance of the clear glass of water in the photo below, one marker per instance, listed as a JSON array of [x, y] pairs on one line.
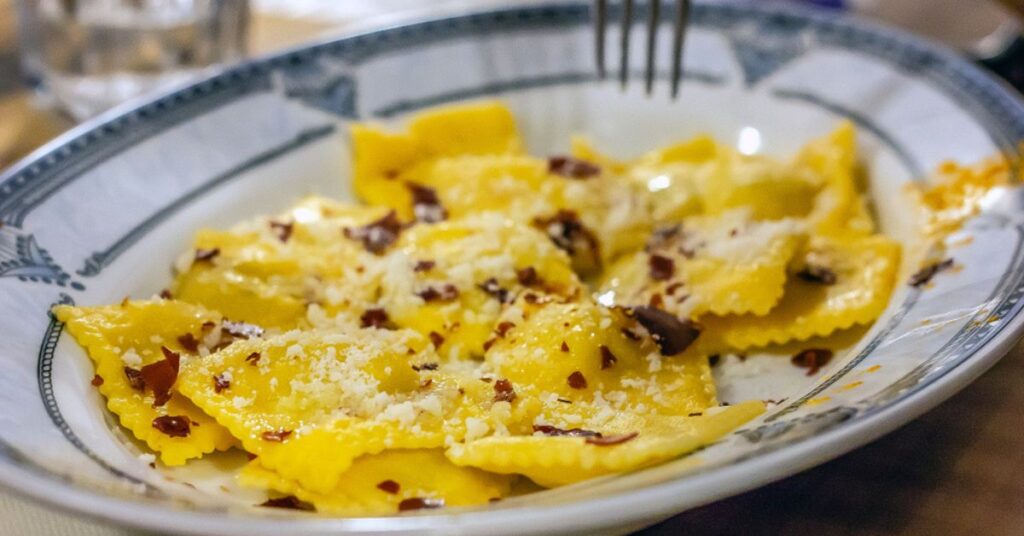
[[85, 56]]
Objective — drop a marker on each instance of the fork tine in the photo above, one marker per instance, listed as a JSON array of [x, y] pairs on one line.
[[627, 26], [600, 21], [678, 36], [652, 42]]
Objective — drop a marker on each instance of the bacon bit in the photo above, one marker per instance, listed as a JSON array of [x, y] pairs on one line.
[[577, 380], [671, 334], [419, 503], [571, 236], [821, 275], [425, 204], [161, 375], [607, 441], [172, 425], [425, 366], [527, 276], [96, 381], [277, 436], [389, 486], [503, 328], [424, 266], [661, 237], [671, 289], [134, 378], [374, 318], [503, 391], [572, 168], [549, 430], [661, 268], [220, 383], [630, 334], [812, 359], [241, 330], [376, 236], [713, 360], [189, 342], [289, 502], [206, 254], [436, 338], [565, 346], [608, 359], [924, 275], [447, 293], [283, 230], [166, 294], [253, 358], [492, 288]]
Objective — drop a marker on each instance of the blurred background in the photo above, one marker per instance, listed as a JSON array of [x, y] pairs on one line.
[[954, 471]]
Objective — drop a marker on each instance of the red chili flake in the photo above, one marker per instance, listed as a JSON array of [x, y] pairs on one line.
[[253, 358], [426, 206], [565, 346], [655, 301], [134, 378], [161, 375], [492, 288], [423, 266], [426, 383], [549, 430], [821, 275], [283, 230], [207, 326], [166, 294], [489, 343], [608, 359], [277, 436], [220, 383], [527, 276], [419, 503], [607, 441], [662, 237], [447, 293], [250, 456], [389, 486], [564, 401], [570, 235], [670, 334], [425, 366], [572, 168], [503, 391], [486, 379], [206, 254], [241, 330], [671, 289], [172, 425], [630, 334], [924, 275], [530, 298], [436, 338], [289, 502], [189, 342], [376, 236], [713, 360], [577, 380], [374, 318], [812, 359], [503, 328], [96, 381], [661, 268], [694, 414]]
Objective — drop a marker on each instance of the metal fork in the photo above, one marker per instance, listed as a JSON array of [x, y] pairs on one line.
[[679, 20]]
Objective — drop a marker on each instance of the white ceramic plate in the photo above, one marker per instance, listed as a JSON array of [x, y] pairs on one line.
[[100, 214]]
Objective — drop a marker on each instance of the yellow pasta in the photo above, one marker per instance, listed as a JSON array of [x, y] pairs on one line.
[[131, 335], [389, 482]]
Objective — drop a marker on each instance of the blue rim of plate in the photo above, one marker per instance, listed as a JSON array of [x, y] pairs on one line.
[[992, 104]]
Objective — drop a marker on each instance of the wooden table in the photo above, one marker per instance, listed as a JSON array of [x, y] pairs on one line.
[[957, 470]]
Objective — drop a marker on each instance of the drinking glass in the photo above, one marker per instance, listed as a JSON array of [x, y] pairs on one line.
[[84, 56]]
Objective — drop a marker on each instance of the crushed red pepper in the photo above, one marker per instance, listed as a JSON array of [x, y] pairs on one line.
[[289, 502], [426, 206], [572, 168], [661, 268], [423, 266], [577, 380], [134, 378], [527, 276], [549, 430], [608, 359], [492, 288], [173, 425], [812, 359], [375, 317], [671, 334], [204, 255], [189, 343], [813, 273], [446, 293], [253, 358], [607, 441], [565, 346], [503, 391], [436, 338], [161, 375], [220, 383], [566, 230], [96, 380], [425, 366], [378, 235], [276, 436], [241, 330], [283, 230], [389, 486], [924, 275], [419, 503]]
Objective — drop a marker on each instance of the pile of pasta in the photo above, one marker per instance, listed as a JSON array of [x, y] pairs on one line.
[[488, 320]]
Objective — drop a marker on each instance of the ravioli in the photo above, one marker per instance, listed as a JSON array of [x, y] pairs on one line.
[[127, 337], [488, 320], [392, 481]]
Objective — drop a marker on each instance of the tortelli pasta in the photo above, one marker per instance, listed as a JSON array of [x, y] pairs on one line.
[[488, 321]]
